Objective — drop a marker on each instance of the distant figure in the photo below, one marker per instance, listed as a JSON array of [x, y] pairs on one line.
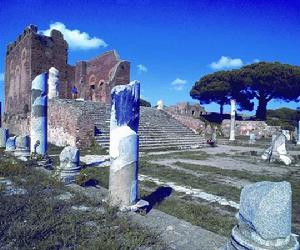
[[211, 143], [74, 92]]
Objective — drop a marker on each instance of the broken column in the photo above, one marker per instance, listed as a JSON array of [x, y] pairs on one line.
[[10, 144], [38, 128], [160, 104], [298, 141], [252, 138], [69, 164], [22, 147], [232, 120], [4, 134], [277, 151], [264, 218], [53, 83], [124, 144]]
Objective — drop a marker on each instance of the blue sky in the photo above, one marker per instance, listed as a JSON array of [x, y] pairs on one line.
[[170, 43]]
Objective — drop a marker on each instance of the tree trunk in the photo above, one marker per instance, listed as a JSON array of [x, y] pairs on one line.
[[221, 111], [261, 112]]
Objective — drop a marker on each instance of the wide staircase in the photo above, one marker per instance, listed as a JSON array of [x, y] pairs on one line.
[[157, 130]]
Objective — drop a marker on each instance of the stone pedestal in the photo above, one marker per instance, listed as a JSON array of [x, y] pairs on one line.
[[160, 105], [10, 144], [69, 164], [4, 134], [22, 147], [252, 138], [232, 121], [53, 83], [287, 134], [277, 150], [124, 146], [264, 218], [38, 128], [298, 141]]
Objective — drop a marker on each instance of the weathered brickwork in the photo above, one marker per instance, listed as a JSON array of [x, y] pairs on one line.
[[95, 79], [70, 122], [33, 53], [187, 109], [260, 128]]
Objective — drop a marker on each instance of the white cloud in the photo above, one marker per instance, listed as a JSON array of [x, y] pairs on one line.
[[75, 38], [142, 68], [256, 60], [226, 62], [178, 83], [1, 77]]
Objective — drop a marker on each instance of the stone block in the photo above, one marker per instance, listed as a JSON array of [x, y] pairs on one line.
[[264, 218], [4, 134], [11, 144], [69, 164]]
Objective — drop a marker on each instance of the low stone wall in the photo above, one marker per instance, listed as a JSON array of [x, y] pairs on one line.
[[190, 122], [260, 128], [17, 124], [70, 122]]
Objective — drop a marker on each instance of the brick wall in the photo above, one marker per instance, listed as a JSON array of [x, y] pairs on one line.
[[260, 128], [69, 122]]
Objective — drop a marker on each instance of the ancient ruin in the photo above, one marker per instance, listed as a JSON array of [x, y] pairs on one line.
[[277, 150], [11, 144], [232, 123], [264, 218], [124, 147], [22, 147], [4, 134], [298, 140], [39, 119], [69, 166], [33, 53], [53, 83]]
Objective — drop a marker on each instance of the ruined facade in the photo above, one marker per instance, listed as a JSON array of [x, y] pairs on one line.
[[187, 109], [33, 53]]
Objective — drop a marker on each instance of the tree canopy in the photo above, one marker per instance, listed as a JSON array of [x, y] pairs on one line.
[[220, 87], [267, 81], [263, 81]]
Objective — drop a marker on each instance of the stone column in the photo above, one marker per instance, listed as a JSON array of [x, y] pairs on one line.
[[124, 144], [232, 121], [11, 144], [69, 164], [298, 141], [4, 134], [22, 147], [264, 218], [53, 83], [39, 104], [160, 104]]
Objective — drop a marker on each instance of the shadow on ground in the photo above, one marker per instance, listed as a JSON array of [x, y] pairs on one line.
[[157, 197]]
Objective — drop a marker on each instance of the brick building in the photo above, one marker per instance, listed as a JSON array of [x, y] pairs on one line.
[[33, 53]]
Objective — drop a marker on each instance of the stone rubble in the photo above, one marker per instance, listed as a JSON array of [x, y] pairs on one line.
[[277, 151], [264, 218]]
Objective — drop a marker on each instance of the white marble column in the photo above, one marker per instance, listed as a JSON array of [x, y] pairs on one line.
[[232, 119], [39, 104], [124, 145]]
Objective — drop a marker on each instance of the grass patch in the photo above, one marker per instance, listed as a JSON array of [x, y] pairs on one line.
[[93, 173], [39, 220], [199, 215], [226, 172], [180, 178]]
